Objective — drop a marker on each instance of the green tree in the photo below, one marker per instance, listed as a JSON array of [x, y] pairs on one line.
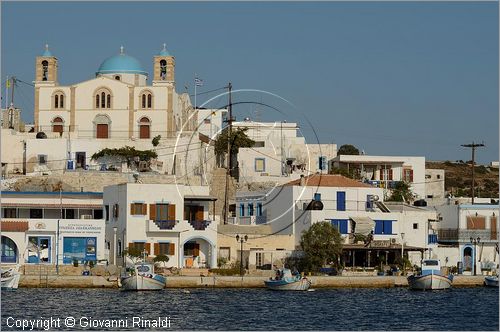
[[156, 140], [128, 153], [134, 253], [239, 139], [348, 149], [322, 244], [401, 193]]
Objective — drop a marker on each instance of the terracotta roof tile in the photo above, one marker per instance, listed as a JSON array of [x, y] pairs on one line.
[[328, 180]]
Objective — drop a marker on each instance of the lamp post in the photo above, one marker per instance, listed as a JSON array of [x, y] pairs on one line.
[[241, 240], [402, 251], [475, 242], [115, 245]]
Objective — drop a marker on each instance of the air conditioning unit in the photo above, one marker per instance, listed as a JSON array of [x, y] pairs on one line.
[[393, 241], [86, 216]]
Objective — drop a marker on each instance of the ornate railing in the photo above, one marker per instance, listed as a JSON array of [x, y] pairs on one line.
[[199, 225]]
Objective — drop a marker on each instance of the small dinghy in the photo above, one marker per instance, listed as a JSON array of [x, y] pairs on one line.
[[286, 281]]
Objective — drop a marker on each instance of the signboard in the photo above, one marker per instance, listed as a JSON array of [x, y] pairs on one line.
[[79, 248]]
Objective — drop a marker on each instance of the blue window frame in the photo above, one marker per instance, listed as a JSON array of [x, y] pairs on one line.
[[242, 210], [259, 210], [260, 165], [369, 203], [250, 209], [340, 225], [383, 226], [317, 196], [340, 200], [322, 163], [9, 250], [433, 238]]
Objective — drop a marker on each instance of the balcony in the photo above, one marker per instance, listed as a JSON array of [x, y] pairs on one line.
[[161, 225], [464, 235], [199, 225], [383, 183]]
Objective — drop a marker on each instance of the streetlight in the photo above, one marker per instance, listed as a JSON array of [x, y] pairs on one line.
[[281, 148], [475, 242], [241, 240], [402, 251]]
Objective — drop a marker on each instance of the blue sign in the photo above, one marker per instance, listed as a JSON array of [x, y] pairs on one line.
[[79, 248]]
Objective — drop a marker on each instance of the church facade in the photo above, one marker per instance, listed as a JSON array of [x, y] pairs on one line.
[[117, 103]]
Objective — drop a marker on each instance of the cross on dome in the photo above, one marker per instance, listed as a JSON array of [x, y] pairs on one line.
[[121, 49]]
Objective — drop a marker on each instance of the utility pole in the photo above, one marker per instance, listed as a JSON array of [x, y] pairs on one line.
[[473, 146], [228, 166], [13, 79]]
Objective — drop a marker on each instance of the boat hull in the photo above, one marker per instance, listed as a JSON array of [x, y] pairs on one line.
[[491, 281], [12, 282], [282, 285], [140, 283], [430, 282]]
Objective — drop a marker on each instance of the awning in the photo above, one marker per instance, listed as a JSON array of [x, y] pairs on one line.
[[362, 225], [200, 198]]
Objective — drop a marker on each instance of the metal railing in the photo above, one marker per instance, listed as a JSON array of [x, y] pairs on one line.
[[464, 235]]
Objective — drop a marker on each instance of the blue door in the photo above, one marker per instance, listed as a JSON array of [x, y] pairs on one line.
[[340, 200]]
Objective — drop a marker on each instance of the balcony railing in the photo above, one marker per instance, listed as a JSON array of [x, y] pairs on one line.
[[389, 184], [199, 225], [464, 235], [166, 224]]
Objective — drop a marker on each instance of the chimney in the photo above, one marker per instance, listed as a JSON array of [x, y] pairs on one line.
[[302, 180]]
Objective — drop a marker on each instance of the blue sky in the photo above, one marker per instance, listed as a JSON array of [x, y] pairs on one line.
[[391, 78]]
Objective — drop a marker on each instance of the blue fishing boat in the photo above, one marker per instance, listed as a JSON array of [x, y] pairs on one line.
[[286, 281], [431, 277], [491, 281]]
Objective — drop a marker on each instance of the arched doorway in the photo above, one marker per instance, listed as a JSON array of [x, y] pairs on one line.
[[468, 256], [198, 253], [102, 126], [58, 125], [144, 128], [9, 250]]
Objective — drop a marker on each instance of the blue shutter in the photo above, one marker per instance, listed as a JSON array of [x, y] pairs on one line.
[[259, 209], [340, 200], [379, 227], [317, 196], [387, 226], [343, 227], [242, 210]]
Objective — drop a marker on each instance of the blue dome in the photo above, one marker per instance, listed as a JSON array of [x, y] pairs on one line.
[[121, 63]]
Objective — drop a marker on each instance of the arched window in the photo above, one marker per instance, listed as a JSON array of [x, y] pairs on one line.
[[103, 98], [144, 128], [163, 70], [58, 125], [58, 99], [9, 250], [117, 77], [45, 70], [146, 100]]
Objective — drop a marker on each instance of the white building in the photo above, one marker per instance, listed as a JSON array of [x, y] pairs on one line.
[[280, 154], [385, 171], [434, 184], [468, 233], [172, 220], [356, 209], [210, 122], [52, 227]]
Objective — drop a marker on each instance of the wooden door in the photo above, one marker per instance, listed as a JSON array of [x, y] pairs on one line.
[[102, 131], [57, 128], [493, 227], [144, 131]]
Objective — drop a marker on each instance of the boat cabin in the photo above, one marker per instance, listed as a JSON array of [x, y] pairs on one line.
[[431, 266]]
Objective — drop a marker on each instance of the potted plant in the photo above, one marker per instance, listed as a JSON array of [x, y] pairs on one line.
[[75, 262]]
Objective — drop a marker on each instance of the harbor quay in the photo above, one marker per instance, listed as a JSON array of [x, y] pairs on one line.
[[54, 281]]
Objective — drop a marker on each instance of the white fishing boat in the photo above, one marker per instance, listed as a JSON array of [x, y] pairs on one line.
[[286, 281], [491, 281], [430, 277], [10, 278], [142, 277]]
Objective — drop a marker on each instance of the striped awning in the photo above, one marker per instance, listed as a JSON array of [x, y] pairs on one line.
[[363, 225], [15, 226]]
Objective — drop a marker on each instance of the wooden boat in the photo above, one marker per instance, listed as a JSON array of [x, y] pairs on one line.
[[142, 277], [286, 281], [491, 281], [431, 277], [10, 278]]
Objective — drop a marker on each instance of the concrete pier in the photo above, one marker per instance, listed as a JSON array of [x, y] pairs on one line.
[[54, 281]]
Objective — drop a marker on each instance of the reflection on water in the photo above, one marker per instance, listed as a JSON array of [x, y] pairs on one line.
[[260, 309]]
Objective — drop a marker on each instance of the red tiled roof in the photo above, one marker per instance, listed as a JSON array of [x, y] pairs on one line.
[[328, 180]]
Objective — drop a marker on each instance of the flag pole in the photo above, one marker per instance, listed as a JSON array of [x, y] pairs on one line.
[[7, 92]]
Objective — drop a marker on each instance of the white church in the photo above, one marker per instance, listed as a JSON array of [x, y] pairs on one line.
[[117, 103]]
